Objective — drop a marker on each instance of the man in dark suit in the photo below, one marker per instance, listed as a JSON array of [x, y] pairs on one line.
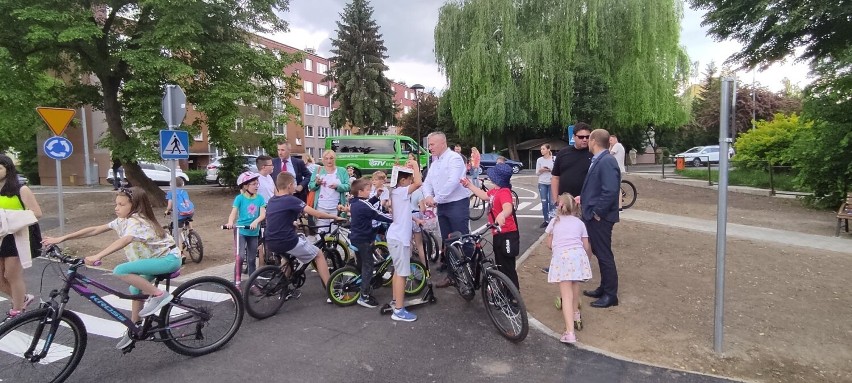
[[294, 166], [599, 203]]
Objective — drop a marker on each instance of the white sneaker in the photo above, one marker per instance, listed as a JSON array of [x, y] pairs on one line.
[[154, 304], [124, 341]]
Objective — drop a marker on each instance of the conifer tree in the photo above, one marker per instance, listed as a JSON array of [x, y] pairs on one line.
[[362, 92]]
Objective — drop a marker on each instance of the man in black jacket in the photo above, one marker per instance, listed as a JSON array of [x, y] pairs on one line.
[[294, 166]]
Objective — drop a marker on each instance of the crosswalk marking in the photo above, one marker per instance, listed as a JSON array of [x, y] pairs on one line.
[[523, 205], [17, 342]]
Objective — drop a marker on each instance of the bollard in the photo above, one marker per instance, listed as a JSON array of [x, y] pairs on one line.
[[72, 180]]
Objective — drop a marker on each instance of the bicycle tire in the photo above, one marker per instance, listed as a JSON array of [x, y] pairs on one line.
[[194, 246], [476, 208], [200, 304], [628, 194], [68, 346], [504, 305], [430, 246], [265, 292], [343, 290], [461, 273], [414, 283], [380, 252], [515, 200]]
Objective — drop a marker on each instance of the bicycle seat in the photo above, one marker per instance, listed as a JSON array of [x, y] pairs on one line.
[[454, 235], [172, 275]]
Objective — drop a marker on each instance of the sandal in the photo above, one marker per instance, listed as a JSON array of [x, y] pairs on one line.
[[578, 320]]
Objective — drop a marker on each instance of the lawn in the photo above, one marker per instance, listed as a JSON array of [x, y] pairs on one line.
[[782, 179]]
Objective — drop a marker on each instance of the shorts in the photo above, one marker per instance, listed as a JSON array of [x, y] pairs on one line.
[[304, 251], [8, 248], [401, 255]]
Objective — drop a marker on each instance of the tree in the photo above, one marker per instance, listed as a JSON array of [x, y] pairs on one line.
[[772, 30], [515, 66], [362, 92], [770, 142], [117, 58], [435, 116]]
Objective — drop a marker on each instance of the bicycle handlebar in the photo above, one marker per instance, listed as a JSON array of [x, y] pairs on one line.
[[476, 233], [54, 252], [225, 227]]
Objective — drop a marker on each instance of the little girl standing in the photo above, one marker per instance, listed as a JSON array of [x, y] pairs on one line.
[[569, 240], [248, 211]]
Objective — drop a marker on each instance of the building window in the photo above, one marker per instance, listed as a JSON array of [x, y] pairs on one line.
[[309, 65], [308, 87], [347, 132], [322, 90], [322, 68], [299, 141], [309, 109], [311, 151], [199, 136], [280, 127], [406, 95], [238, 124], [323, 111], [309, 131], [406, 109]]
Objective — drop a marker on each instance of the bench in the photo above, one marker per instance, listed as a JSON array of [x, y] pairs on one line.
[[844, 214]]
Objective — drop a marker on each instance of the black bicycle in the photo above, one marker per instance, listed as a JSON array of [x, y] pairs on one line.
[[46, 344], [502, 300], [478, 206], [628, 194], [190, 241]]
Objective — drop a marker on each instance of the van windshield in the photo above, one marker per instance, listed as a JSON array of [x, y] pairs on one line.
[[364, 146]]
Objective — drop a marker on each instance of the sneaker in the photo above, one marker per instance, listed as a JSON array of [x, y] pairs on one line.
[[368, 301], [543, 225], [545, 270], [154, 304], [569, 338], [403, 315], [124, 341], [328, 300]]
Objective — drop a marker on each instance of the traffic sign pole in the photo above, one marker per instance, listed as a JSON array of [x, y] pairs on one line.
[[174, 111], [57, 119], [59, 193]]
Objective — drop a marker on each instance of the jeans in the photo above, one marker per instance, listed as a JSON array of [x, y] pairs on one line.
[[544, 193], [365, 262], [117, 175], [249, 243]]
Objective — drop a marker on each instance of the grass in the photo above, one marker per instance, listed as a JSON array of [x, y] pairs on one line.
[[782, 180]]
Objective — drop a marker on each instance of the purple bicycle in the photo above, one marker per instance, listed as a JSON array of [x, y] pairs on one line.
[[46, 344]]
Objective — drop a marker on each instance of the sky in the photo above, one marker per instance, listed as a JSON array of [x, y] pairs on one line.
[[408, 27]]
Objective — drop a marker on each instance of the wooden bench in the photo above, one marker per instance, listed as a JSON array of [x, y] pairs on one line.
[[844, 214]]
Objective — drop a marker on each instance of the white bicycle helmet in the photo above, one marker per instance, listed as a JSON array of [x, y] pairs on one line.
[[246, 177]]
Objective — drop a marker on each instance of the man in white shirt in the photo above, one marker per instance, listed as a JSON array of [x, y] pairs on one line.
[[443, 190], [617, 151]]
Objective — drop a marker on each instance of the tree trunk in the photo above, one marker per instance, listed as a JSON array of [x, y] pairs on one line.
[[132, 171], [512, 143]]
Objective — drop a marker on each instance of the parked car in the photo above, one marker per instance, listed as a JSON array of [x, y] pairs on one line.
[[22, 180], [488, 160], [213, 169], [159, 173], [700, 155]]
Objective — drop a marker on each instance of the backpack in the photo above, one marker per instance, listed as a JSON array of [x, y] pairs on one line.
[[184, 206]]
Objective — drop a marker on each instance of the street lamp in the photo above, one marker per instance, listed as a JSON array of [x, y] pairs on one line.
[[417, 88]]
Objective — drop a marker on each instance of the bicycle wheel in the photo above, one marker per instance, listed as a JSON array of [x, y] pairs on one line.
[[430, 246], [628, 194], [265, 292], [344, 286], [204, 315], [380, 251], [416, 280], [476, 207], [461, 272], [515, 200], [27, 330], [505, 306], [194, 246]]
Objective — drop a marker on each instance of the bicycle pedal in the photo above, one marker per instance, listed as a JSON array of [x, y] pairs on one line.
[[129, 348], [294, 294]]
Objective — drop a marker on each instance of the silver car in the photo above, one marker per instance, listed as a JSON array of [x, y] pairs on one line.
[[213, 169], [700, 155], [159, 173]]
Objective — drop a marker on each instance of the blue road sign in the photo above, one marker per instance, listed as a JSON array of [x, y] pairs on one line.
[[570, 133], [174, 144], [58, 148]]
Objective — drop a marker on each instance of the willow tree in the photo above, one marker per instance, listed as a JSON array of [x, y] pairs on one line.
[[519, 65]]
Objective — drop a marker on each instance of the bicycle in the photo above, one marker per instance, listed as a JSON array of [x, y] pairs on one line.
[[344, 285], [334, 247], [190, 240], [478, 207], [47, 344], [628, 194], [501, 298]]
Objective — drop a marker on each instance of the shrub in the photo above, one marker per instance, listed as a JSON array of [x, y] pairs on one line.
[[196, 177], [770, 142]]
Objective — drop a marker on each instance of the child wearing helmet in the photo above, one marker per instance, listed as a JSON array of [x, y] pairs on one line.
[[248, 211]]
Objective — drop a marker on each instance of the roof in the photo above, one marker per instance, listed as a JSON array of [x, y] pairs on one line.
[[555, 144]]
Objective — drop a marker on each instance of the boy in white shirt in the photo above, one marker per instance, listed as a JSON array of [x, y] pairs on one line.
[[408, 180]]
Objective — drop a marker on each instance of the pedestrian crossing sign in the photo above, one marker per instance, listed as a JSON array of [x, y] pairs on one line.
[[174, 144]]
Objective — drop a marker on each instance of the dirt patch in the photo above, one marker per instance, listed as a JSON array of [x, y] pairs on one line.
[[786, 308]]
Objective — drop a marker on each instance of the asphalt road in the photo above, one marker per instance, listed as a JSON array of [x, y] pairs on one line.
[[309, 340]]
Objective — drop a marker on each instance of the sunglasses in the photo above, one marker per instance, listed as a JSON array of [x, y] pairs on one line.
[[585, 137]]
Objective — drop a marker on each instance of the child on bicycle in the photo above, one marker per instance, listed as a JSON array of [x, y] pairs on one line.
[[185, 207], [362, 214], [283, 211], [507, 239], [248, 211], [569, 240], [149, 250], [407, 180]]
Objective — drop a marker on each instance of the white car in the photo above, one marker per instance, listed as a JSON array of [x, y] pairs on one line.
[[159, 173], [213, 169], [700, 155]]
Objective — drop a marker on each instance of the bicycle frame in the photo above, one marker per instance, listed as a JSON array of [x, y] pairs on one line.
[[478, 260]]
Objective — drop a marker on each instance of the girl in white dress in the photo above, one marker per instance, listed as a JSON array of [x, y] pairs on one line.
[[569, 240]]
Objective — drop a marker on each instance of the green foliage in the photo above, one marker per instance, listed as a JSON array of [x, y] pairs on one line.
[[771, 142], [134, 48], [543, 64], [196, 177], [28, 157], [757, 178], [362, 92]]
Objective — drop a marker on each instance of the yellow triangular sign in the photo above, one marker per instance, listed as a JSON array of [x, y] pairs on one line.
[[56, 118]]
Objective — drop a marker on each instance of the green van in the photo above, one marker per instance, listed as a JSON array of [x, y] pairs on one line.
[[370, 153]]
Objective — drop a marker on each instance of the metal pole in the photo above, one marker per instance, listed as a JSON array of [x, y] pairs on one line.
[[419, 137], [726, 108], [59, 197], [753, 92], [88, 172], [173, 166]]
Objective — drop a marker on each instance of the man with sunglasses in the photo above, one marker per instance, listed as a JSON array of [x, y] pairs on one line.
[[572, 164]]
